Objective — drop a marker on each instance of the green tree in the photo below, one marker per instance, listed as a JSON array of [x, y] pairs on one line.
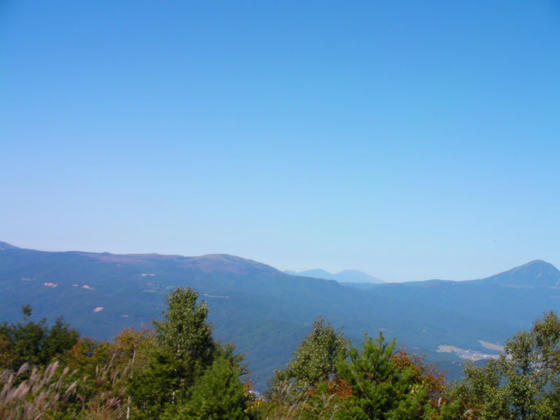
[[183, 349], [218, 394], [34, 342], [185, 332], [524, 383], [59, 338], [315, 359], [372, 383], [388, 385]]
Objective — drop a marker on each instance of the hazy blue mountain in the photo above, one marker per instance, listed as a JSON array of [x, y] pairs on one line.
[[536, 273], [315, 273], [267, 312], [355, 276], [5, 245], [345, 276]]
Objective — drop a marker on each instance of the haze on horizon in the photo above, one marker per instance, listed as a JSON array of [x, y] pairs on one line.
[[406, 140]]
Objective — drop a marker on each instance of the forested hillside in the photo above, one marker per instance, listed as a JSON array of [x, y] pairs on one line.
[[179, 370], [265, 312]]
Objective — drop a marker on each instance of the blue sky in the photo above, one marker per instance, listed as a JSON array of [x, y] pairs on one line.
[[410, 140]]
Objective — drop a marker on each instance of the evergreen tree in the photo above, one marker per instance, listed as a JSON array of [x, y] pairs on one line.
[[387, 385], [183, 349], [315, 359], [217, 395], [185, 332]]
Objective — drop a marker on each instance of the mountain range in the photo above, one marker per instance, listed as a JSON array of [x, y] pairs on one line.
[[345, 276], [267, 312]]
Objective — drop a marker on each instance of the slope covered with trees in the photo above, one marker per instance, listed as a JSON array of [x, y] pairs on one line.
[[178, 370], [265, 312]]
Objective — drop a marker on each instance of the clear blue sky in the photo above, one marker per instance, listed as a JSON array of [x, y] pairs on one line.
[[410, 140]]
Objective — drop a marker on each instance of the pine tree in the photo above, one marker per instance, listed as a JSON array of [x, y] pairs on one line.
[[183, 349], [217, 395], [315, 359], [388, 385]]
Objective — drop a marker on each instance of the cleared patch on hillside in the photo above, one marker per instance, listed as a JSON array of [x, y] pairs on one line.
[[491, 346], [466, 354]]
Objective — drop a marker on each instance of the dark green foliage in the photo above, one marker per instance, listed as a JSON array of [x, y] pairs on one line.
[[185, 333], [371, 375], [59, 338], [184, 347], [33, 342], [384, 385], [372, 383], [186, 369], [158, 384], [179, 371], [315, 359], [217, 395], [524, 383], [26, 310]]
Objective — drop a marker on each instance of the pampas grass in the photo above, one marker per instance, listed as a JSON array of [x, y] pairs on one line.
[[36, 394]]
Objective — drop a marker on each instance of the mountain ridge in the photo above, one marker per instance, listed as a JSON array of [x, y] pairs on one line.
[[344, 276], [539, 271], [264, 311], [537, 268], [5, 245]]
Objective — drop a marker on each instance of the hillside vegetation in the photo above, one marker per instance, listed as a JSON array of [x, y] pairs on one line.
[[265, 312], [178, 370]]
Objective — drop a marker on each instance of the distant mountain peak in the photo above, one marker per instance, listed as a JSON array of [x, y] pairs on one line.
[[532, 274], [344, 276], [5, 246], [536, 267], [542, 264]]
